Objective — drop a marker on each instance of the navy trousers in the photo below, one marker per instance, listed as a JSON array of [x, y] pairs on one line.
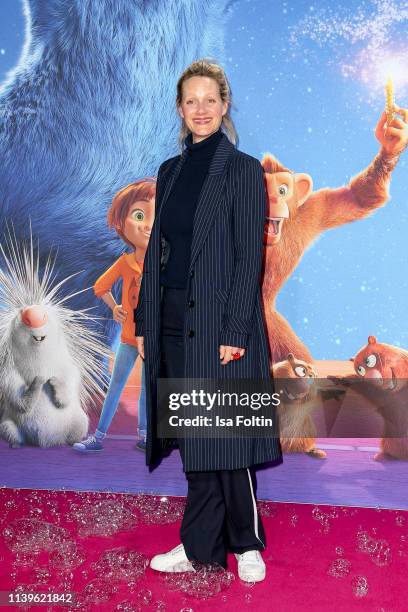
[[221, 513]]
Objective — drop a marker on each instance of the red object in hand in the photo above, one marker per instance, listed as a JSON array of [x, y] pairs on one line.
[[236, 355]]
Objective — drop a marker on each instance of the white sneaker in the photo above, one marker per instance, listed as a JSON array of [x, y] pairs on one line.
[[251, 566], [173, 561]]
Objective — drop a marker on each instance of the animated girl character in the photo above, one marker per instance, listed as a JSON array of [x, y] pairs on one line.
[[131, 215]]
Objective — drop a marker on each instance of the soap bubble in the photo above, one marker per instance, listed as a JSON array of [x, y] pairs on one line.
[[121, 564], [360, 586], [400, 520], [322, 518], [101, 517], [144, 597], [159, 510], [11, 504], [98, 590], [381, 555], [379, 550], [227, 578], [67, 557], [267, 509], [339, 568], [23, 559], [40, 575], [33, 536], [365, 543], [127, 606], [294, 519], [206, 581]]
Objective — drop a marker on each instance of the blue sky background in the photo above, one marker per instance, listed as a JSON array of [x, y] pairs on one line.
[[297, 75]]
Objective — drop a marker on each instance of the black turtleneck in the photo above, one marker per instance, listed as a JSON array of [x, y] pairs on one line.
[[177, 216]]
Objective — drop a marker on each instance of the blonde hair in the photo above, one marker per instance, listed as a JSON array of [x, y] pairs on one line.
[[207, 68]]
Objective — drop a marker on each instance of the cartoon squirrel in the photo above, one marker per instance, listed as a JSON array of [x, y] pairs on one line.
[[382, 377], [295, 378]]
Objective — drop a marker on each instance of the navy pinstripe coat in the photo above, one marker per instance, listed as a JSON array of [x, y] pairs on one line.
[[223, 304]]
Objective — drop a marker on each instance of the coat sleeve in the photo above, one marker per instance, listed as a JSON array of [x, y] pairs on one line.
[[249, 210], [138, 313]]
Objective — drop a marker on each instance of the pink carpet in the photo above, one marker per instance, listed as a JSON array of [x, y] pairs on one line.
[[318, 558]]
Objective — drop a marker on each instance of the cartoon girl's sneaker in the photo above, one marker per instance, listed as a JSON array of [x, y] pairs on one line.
[[90, 445]]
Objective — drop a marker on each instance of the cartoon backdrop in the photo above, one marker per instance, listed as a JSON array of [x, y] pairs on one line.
[[87, 104]]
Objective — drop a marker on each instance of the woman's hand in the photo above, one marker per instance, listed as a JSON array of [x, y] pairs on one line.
[[140, 346], [226, 353], [119, 314]]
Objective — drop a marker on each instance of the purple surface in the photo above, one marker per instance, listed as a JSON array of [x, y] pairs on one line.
[[345, 477]]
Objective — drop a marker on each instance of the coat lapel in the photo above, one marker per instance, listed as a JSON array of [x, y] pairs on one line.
[[210, 196]]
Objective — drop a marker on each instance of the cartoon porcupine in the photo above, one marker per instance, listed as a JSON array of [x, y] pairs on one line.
[[50, 355]]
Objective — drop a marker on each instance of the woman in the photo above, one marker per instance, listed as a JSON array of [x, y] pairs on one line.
[[200, 315]]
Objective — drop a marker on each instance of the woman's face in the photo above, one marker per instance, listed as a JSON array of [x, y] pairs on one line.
[[201, 106], [138, 223]]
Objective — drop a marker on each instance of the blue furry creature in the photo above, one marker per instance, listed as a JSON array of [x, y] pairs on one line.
[[89, 108]]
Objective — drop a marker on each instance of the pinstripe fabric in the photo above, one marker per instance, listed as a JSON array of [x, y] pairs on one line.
[[223, 281]]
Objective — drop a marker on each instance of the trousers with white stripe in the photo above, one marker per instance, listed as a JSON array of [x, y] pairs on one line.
[[221, 514]]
